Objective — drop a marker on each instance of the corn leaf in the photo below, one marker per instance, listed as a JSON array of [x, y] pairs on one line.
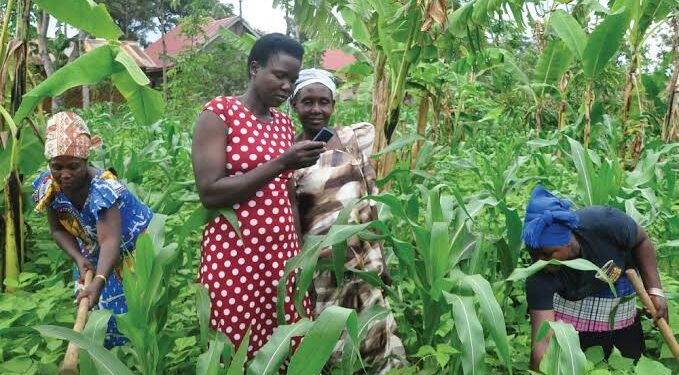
[[238, 362], [319, 342], [569, 358], [83, 14], [96, 326], [470, 333], [272, 355], [492, 314], [208, 362], [586, 173], [108, 363]]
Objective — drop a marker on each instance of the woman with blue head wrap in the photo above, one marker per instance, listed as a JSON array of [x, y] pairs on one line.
[[611, 240]]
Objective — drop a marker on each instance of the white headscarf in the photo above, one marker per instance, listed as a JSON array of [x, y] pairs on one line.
[[313, 75]]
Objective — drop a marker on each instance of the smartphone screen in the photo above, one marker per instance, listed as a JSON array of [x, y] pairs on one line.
[[323, 135]]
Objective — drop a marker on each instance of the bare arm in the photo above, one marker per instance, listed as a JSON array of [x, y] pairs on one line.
[[215, 188], [645, 258], [67, 243], [62, 237], [109, 235], [539, 348]]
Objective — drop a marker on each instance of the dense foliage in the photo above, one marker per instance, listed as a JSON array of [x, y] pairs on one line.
[[485, 110]]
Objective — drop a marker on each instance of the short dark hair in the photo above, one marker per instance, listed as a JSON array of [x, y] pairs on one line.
[[271, 44]]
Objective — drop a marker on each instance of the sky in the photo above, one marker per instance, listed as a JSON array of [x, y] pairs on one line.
[[261, 15]]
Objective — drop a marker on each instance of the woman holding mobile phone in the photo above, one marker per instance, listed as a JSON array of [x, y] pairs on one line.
[[343, 173], [243, 157]]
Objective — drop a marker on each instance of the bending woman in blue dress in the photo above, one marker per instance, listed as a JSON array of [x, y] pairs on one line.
[[92, 216]]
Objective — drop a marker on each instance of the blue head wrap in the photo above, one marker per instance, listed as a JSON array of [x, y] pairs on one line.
[[548, 220]]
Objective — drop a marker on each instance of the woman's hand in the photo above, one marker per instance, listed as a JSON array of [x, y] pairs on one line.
[[302, 154], [91, 292], [660, 305], [83, 266]]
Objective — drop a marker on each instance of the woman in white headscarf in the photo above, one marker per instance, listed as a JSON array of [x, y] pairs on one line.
[[343, 173]]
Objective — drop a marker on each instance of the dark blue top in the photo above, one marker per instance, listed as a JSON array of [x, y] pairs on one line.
[[605, 235]]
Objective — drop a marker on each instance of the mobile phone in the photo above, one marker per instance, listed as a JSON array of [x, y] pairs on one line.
[[323, 135]]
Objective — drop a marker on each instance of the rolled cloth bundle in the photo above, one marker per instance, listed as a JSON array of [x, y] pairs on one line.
[[548, 220], [313, 75]]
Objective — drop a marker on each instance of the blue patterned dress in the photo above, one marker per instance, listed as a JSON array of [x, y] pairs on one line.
[[105, 192]]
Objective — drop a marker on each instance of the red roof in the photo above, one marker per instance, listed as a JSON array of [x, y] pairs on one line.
[[335, 59], [175, 42]]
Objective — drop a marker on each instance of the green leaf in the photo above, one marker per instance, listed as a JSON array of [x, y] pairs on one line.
[[231, 217], [88, 69], [437, 259], [132, 68], [648, 366], [359, 31], [108, 363], [240, 357], [146, 104], [319, 342], [83, 14], [552, 64], [469, 332], [604, 43], [203, 310], [272, 355], [570, 31], [586, 174], [399, 144], [651, 11], [579, 264], [96, 326], [208, 362], [492, 314], [571, 359]]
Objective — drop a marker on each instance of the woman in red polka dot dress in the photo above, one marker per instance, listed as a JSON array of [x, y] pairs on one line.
[[243, 158]]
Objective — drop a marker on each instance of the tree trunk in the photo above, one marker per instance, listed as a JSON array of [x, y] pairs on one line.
[[629, 86], [14, 222], [43, 21], [670, 129], [588, 119], [81, 51], [563, 84], [422, 113], [380, 98]]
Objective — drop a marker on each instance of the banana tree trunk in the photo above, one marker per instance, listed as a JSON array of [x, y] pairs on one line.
[[13, 217], [379, 106], [629, 86], [422, 113], [588, 118], [670, 129], [563, 85]]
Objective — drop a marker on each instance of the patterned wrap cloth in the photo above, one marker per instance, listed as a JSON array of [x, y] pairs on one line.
[[68, 135], [340, 176]]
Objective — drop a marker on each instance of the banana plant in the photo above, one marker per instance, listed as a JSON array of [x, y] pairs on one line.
[[107, 61], [594, 52]]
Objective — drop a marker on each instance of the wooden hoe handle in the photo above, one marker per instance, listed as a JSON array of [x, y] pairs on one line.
[[70, 365], [665, 329]]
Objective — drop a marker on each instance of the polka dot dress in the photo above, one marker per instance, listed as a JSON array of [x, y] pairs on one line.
[[242, 274]]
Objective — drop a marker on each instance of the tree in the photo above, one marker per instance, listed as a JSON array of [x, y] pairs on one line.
[[137, 18]]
